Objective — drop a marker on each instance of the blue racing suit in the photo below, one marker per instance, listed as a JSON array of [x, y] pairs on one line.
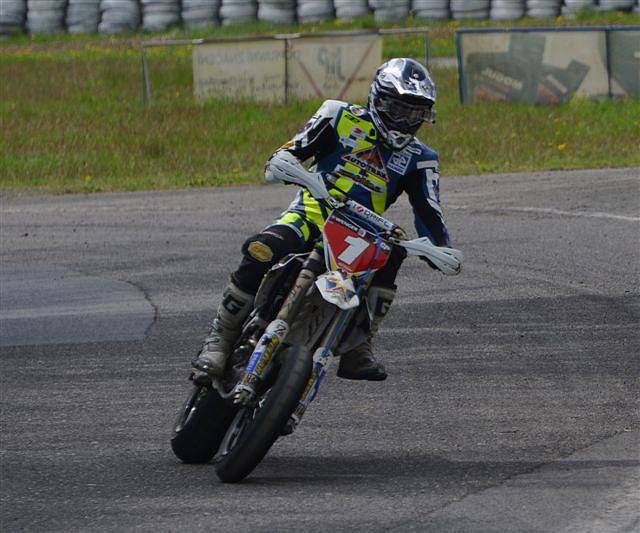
[[345, 146]]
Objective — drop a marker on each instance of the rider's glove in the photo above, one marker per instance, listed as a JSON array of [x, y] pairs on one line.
[[284, 166]]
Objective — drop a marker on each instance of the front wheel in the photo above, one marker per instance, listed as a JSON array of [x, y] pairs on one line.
[[255, 429], [200, 426]]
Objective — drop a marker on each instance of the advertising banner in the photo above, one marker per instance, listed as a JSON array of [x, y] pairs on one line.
[[624, 62], [252, 70], [547, 66], [339, 67]]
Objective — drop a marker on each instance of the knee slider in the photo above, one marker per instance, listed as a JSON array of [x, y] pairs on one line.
[[264, 248]]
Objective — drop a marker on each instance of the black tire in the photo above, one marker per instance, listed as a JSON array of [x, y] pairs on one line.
[[258, 428], [200, 426]]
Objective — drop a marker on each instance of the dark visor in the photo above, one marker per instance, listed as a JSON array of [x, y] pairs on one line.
[[402, 115]]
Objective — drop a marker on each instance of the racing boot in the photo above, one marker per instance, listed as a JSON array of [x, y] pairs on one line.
[[232, 312], [359, 362]]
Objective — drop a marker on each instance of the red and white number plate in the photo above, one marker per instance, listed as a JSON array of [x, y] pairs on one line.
[[351, 248]]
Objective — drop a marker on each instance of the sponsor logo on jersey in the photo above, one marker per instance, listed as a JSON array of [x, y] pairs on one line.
[[369, 162], [363, 180], [399, 162], [348, 141], [413, 149], [352, 118]]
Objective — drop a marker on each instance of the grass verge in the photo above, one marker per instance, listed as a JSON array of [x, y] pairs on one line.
[[72, 121]]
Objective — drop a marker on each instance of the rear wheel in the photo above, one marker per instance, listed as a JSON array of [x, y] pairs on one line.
[[255, 429], [201, 425]]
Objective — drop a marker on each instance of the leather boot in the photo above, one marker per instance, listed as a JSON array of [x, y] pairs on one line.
[[359, 363], [232, 312]]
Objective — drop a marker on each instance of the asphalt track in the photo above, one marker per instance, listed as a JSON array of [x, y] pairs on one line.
[[512, 402]]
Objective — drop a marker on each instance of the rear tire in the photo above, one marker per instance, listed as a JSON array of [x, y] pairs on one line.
[[200, 426], [255, 429]]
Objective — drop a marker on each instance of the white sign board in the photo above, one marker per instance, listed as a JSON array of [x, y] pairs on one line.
[[252, 70], [340, 67]]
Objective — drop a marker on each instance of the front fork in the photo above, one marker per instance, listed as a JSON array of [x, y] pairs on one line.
[[321, 358], [245, 391]]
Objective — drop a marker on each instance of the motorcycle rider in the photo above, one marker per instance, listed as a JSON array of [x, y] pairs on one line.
[[369, 154]]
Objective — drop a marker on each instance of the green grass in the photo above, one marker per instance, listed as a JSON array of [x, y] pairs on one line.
[[72, 121]]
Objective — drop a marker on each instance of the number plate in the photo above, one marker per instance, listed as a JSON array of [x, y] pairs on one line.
[[351, 248]]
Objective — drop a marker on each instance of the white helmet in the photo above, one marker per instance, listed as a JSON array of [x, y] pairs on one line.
[[401, 99]]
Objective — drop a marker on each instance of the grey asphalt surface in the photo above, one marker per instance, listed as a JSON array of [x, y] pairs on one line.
[[512, 402]]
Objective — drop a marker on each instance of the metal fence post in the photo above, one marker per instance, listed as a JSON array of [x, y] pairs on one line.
[[147, 93], [286, 71]]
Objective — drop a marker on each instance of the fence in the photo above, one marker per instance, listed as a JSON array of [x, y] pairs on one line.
[[284, 67]]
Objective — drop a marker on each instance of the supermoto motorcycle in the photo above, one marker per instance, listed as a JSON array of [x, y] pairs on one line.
[[303, 308]]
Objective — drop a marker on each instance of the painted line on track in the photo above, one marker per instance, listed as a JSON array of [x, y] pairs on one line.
[[548, 211]]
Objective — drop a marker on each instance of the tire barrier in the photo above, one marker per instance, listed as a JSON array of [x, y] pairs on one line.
[[351, 9], [197, 14], [470, 9], [541, 9], [431, 9], [45, 16], [83, 16], [311, 11], [238, 11], [507, 9], [12, 16], [390, 10], [116, 16], [160, 15], [277, 11]]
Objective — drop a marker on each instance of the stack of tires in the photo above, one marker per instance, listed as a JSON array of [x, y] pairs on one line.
[[83, 16], [118, 16], [615, 5], [315, 10], [12, 16], [200, 13], [387, 10], [277, 11], [159, 15], [238, 11], [45, 16], [431, 9], [351, 9], [571, 7], [470, 9], [543, 9], [507, 9]]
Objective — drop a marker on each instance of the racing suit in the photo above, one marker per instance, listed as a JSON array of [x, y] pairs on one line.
[[344, 145]]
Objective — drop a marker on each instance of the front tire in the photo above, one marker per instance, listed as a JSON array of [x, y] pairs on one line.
[[255, 429], [200, 426]]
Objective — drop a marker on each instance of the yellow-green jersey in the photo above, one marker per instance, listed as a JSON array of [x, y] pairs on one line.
[[346, 148]]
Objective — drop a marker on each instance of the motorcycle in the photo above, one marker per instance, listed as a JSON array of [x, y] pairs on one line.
[[304, 307]]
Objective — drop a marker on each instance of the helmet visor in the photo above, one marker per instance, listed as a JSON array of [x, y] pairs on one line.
[[402, 116]]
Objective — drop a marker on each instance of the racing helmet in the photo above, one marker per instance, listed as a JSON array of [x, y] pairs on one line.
[[401, 99]]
